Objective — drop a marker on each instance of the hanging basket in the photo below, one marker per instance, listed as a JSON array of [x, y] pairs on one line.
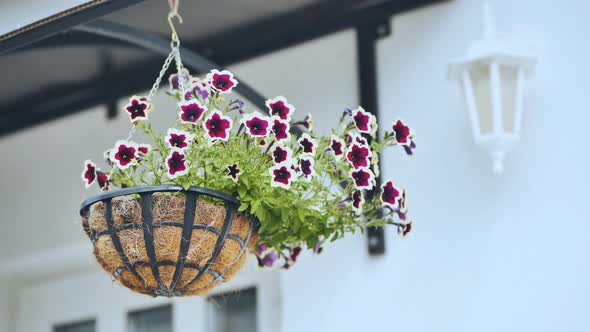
[[168, 241]]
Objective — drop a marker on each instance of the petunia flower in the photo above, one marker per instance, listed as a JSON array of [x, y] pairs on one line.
[[107, 156], [363, 120], [402, 133], [89, 173], [280, 129], [217, 126], [200, 88], [390, 194], [357, 202], [124, 154], [222, 81], [103, 180], [317, 248], [233, 172], [337, 147], [256, 124], [178, 138], [282, 175], [281, 154], [176, 163], [279, 107], [306, 168], [363, 178], [237, 104], [144, 149], [307, 143], [404, 229], [410, 148], [137, 108], [359, 156], [174, 82], [191, 111], [402, 206], [266, 257], [292, 258]]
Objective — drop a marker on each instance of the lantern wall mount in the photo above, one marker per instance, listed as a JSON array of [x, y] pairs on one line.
[[492, 75]]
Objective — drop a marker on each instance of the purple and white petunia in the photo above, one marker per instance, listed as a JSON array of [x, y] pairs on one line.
[[178, 138], [337, 147], [363, 120], [176, 163], [359, 156], [124, 154], [233, 172], [404, 229], [282, 175], [174, 81], [307, 143], [191, 111], [402, 133], [137, 108], [390, 194], [357, 202], [256, 124], [266, 257], [306, 168], [200, 89], [279, 107], [363, 178], [280, 129], [217, 126], [281, 154], [222, 81], [89, 173]]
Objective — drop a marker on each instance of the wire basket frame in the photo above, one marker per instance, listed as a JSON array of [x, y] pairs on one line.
[[192, 195]]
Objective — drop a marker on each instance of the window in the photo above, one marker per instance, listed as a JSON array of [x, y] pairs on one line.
[[87, 326], [233, 312], [151, 320]]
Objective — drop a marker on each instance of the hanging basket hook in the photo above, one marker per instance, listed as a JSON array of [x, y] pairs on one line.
[[174, 14]]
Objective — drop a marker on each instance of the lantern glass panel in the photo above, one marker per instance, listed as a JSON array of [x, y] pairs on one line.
[[480, 79], [508, 81]]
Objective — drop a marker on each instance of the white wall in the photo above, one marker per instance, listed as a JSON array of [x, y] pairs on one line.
[[489, 253]]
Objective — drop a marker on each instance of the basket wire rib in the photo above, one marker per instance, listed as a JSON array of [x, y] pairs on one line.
[[192, 196]]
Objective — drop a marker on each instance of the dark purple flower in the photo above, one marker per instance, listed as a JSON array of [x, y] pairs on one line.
[[280, 129], [317, 248], [137, 108], [279, 107], [124, 154], [306, 166], [222, 81], [292, 258], [390, 194], [410, 149], [266, 257], [337, 147], [402, 133], [191, 111], [200, 89], [281, 154], [363, 178], [256, 124], [404, 229], [89, 173], [103, 180], [217, 126], [237, 104], [359, 156], [307, 143], [281, 176], [357, 201], [233, 172], [175, 82], [176, 163], [178, 138], [363, 120]]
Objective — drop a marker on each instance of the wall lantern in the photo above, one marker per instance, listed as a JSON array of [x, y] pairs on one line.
[[492, 75]]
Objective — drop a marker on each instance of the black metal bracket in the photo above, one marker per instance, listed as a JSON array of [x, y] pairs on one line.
[[367, 36]]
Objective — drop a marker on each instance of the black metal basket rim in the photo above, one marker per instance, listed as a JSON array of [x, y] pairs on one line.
[[154, 189]]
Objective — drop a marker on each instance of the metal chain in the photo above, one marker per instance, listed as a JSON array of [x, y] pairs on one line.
[[162, 73]]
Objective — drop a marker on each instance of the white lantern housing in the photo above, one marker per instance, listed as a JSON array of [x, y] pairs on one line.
[[492, 75]]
